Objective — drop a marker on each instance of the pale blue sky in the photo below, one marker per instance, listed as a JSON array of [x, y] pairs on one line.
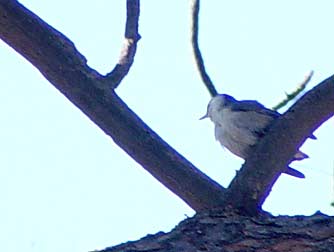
[[65, 186]]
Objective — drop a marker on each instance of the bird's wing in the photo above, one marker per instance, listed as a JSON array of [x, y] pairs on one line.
[[253, 116], [249, 105]]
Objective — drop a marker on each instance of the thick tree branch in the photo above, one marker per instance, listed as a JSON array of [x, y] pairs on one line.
[[132, 36], [272, 154], [197, 52], [234, 233], [57, 59]]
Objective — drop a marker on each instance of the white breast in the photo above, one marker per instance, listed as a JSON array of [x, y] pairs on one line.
[[235, 130]]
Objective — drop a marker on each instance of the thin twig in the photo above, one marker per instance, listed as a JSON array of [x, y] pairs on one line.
[[114, 78], [197, 53], [297, 91]]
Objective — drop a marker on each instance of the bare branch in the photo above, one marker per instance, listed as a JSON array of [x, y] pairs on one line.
[[57, 59], [297, 91], [272, 154], [114, 78], [197, 53]]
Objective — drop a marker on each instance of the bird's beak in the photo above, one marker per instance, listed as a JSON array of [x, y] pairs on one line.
[[205, 116]]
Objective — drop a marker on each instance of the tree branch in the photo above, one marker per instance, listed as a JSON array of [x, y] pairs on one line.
[[235, 233], [128, 52], [56, 57], [252, 185], [58, 60], [289, 97], [197, 53]]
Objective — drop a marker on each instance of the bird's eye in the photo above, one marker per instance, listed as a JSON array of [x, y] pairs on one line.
[[223, 102]]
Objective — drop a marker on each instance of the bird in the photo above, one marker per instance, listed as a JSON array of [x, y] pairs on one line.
[[240, 124]]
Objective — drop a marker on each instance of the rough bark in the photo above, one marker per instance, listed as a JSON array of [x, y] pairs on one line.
[[234, 233]]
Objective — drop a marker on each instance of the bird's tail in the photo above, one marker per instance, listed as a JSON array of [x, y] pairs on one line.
[[294, 172]]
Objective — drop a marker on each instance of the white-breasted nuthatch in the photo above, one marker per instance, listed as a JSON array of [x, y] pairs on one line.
[[240, 124]]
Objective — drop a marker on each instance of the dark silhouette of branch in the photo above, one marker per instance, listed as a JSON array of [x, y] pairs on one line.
[[297, 91], [218, 232], [132, 36], [197, 53], [56, 57], [271, 155]]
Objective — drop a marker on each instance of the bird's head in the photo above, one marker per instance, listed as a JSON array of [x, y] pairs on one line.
[[218, 103]]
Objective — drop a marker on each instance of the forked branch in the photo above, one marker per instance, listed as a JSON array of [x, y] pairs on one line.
[[67, 70], [114, 78]]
